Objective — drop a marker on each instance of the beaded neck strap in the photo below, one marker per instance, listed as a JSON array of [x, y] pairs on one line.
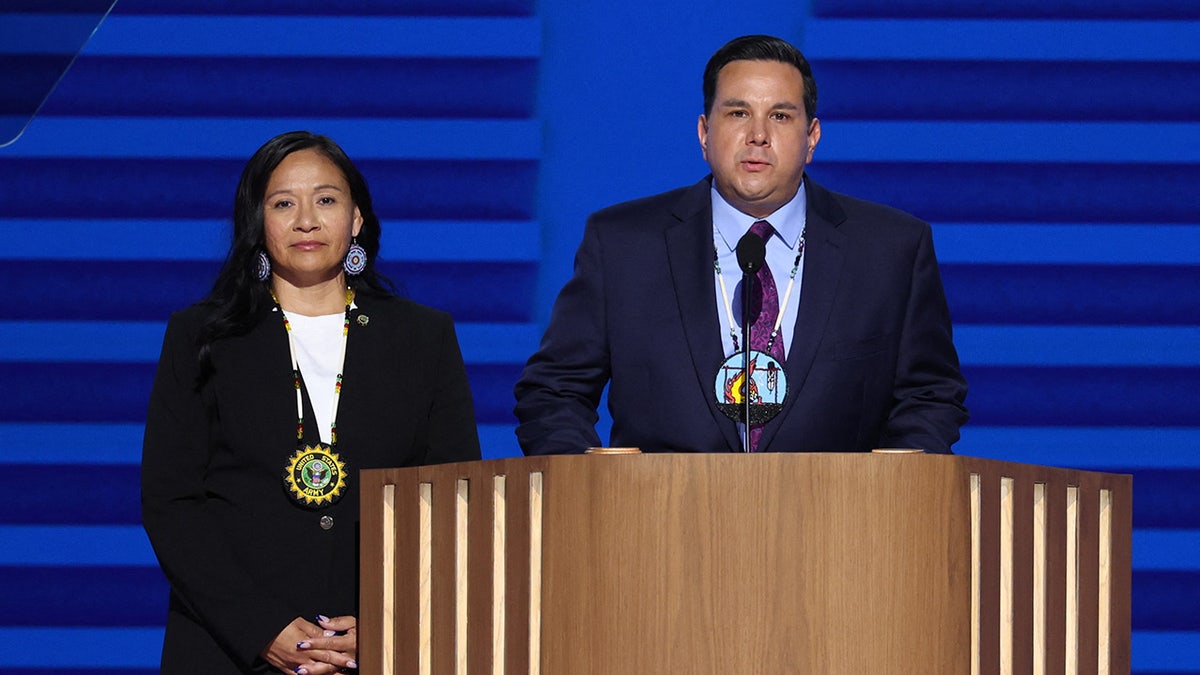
[[337, 387], [787, 295]]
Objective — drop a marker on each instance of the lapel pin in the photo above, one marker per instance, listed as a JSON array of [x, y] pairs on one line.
[[363, 319]]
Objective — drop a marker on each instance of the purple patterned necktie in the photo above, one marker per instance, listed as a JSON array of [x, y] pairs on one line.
[[765, 296]]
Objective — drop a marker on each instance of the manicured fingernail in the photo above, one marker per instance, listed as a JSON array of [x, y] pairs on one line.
[[352, 664], [301, 670], [322, 618], [330, 633], [302, 645]]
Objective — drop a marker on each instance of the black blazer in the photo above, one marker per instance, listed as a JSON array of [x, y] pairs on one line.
[[243, 559], [872, 363]]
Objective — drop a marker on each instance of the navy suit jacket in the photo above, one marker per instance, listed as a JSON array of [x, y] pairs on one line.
[[872, 363]]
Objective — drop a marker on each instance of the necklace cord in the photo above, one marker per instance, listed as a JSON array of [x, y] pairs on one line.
[[337, 387]]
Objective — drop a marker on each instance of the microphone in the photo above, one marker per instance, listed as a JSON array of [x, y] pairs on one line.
[[751, 253], [751, 256]]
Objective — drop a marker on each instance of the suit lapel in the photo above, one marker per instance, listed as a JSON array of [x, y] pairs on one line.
[[257, 361], [689, 255], [368, 326], [824, 256]]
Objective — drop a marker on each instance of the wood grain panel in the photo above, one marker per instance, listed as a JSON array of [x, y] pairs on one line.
[[743, 563], [739, 588]]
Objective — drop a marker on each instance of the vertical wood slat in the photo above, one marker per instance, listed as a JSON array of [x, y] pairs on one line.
[[1071, 583], [388, 582], [499, 572], [1007, 516], [536, 487], [1104, 619], [1040, 519], [425, 583], [976, 506], [462, 502]]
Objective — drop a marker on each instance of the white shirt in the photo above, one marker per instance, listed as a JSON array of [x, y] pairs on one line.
[[318, 341]]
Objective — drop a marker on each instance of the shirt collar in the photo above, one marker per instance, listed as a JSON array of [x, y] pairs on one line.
[[730, 224]]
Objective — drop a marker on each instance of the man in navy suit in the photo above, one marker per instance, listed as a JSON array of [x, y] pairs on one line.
[[653, 307]]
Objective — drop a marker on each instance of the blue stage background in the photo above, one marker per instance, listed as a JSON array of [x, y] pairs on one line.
[[1053, 144]]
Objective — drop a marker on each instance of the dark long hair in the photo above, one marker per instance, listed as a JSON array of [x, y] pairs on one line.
[[759, 48], [237, 295]]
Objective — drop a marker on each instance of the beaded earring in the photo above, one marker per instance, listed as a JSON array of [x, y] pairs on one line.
[[262, 268], [356, 259]]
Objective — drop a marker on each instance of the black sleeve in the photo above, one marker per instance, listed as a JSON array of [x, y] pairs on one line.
[[201, 565], [454, 436]]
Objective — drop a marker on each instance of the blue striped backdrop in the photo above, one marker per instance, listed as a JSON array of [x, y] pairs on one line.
[[1054, 145]]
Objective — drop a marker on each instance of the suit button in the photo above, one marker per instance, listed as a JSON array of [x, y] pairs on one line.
[[326, 522]]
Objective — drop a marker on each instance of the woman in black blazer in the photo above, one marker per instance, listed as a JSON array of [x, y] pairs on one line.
[[300, 369]]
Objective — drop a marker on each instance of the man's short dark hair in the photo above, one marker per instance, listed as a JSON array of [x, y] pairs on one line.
[[759, 48]]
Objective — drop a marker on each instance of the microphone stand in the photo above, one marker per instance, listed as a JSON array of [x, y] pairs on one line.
[[747, 280], [751, 256]]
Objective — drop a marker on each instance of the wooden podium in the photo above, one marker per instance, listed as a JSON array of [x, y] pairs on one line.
[[744, 564]]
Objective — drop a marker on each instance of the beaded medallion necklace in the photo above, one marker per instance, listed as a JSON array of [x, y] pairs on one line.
[[755, 374], [315, 475]]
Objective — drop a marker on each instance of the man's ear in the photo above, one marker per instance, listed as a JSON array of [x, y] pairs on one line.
[[814, 137]]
